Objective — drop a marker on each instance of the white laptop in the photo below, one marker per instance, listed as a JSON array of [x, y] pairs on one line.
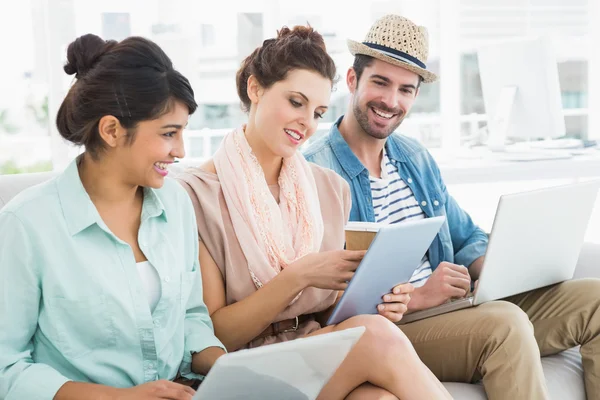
[[535, 242], [294, 370]]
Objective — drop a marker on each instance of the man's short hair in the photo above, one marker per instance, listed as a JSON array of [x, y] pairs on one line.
[[362, 61]]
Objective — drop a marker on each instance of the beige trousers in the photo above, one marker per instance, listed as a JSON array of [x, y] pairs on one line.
[[501, 341]]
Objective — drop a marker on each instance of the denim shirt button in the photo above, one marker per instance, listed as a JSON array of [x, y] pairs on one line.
[[423, 203], [409, 180], [436, 203]]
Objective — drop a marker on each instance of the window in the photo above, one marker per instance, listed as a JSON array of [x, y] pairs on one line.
[[24, 114]]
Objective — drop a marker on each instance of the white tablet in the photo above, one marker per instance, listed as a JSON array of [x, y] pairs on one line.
[[391, 259]]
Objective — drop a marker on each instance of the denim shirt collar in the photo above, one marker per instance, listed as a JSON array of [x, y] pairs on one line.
[[348, 160]]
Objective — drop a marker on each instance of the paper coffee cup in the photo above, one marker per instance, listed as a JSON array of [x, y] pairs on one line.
[[359, 235]]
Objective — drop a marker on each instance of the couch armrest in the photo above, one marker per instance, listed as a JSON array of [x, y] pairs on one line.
[[588, 265]]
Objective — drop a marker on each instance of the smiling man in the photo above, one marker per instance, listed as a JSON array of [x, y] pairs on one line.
[[394, 179]]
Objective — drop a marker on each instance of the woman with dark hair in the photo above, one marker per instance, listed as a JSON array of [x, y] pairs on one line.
[[100, 292], [271, 228]]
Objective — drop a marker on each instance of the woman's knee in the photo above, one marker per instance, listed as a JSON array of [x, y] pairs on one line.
[[381, 330]]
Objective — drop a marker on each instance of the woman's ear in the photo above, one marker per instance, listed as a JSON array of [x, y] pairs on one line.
[[255, 91], [111, 130]]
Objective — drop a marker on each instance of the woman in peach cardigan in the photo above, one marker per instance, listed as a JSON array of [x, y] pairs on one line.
[[271, 228]]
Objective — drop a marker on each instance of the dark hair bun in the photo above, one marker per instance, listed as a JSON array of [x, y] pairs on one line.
[[304, 33], [84, 52]]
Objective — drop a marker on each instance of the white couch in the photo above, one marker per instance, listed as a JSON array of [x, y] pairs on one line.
[[563, 371]]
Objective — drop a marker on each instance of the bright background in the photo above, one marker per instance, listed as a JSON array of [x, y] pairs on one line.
[[207, 42]]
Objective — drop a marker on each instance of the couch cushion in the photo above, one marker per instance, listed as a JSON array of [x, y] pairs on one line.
[[564, 375], [563, 372], [11, 185]]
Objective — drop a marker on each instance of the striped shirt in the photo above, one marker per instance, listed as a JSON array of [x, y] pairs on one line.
[[394, 202]]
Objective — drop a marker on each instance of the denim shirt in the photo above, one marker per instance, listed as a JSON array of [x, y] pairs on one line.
[[459, 240], [72, 303]]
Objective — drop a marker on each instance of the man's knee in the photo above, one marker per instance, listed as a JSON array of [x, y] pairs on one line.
[[507, 324], [586, 288]]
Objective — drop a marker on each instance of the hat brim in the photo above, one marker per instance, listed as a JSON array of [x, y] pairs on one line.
[[359, 48]]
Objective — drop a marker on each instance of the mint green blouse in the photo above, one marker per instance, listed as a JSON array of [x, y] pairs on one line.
[[72, 305]]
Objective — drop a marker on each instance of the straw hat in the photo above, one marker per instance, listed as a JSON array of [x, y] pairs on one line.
[[398, 41]]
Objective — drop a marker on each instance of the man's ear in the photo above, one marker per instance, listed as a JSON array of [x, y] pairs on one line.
[[351, 80], [254, 89], [111, 130]]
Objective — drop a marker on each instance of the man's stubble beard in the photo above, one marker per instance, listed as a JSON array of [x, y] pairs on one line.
[[363, 120]]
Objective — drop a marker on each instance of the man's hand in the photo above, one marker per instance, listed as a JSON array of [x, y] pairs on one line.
[[448, 281], [395, 304]]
